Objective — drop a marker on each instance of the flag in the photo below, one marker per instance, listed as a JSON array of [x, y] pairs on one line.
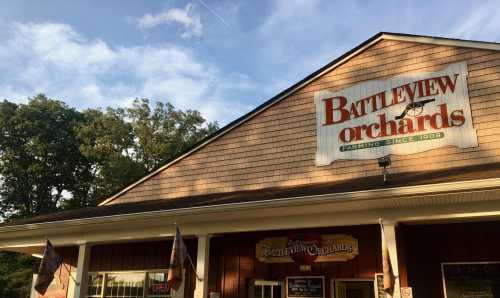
[[49, 265], [177, 258], [386, 264]]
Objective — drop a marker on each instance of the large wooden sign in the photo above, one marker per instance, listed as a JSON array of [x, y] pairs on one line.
[[305, 287], [307, 248], [471, 280], [403, 115]]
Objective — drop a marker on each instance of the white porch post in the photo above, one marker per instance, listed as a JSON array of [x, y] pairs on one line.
[[82, 269], [202, 263], [390, 237]]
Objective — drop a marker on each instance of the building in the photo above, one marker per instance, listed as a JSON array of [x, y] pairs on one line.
[[285, 201]]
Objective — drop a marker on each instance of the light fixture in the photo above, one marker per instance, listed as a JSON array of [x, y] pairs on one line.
[[384, 163]]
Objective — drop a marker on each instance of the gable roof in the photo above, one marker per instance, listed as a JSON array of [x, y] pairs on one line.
[[284, 94]]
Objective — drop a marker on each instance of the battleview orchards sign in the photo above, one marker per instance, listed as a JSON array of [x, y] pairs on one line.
[[403, 115], [306, 248]]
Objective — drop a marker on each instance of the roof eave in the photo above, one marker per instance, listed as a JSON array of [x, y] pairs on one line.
[[357, 196]]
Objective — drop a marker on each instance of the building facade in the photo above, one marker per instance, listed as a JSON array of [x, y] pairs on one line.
[[286, 200]]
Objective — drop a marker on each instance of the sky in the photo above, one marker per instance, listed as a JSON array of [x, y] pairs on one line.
[[220, 57]]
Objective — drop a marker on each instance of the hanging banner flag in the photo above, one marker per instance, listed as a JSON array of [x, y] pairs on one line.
[[388, 274], [406, 114], [48, 267], [177, 259]]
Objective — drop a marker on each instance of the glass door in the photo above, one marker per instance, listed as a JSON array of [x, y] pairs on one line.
[[353, 288]]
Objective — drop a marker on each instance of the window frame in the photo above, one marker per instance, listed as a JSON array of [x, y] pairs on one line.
[[105, 280], [266, 282]]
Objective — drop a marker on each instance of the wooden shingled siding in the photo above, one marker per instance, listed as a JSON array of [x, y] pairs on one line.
[[277, 147], [233, 264]]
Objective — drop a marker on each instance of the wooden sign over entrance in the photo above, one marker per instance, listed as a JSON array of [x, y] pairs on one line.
[[307, 248]]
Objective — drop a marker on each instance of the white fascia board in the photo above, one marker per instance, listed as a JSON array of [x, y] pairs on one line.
[[358, 196]]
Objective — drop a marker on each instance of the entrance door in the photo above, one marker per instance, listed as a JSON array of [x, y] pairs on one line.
[[352, 288]]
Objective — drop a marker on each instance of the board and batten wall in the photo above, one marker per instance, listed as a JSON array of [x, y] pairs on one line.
[[427, 246], [277, 147], [141, 256], [233, 263]]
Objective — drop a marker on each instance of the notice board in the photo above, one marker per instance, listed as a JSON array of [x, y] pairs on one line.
[[470, 280], [305, 286]]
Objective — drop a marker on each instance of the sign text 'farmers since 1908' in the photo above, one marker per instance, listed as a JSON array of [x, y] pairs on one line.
[[403, 115]]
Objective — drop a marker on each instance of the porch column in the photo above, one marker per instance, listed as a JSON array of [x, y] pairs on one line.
[[82, 270], [390, 237], [202, 263]]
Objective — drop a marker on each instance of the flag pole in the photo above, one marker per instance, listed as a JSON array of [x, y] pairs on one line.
[[191, 261], [69, 273], [194, 268]]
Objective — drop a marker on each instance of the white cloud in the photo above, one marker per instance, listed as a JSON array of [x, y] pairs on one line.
[[482, 22], [54, 59], [186, 17]]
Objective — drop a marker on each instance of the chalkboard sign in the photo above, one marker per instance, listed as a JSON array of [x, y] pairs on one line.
[[305, 286], [469, 280], [379, 286]]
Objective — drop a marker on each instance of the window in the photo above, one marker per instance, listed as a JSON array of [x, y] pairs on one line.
[[157, 285], [124, 285], [95, 283], [266, 289], [152, 284]]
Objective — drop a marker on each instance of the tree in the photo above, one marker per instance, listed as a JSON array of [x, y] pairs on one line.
[[163, 133], [126, 144], [39, 156], [54, 157], [16, 271]]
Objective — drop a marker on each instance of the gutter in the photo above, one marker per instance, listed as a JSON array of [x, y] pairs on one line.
[[344, 197]]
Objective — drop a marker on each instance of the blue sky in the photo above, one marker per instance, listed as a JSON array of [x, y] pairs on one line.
[[220, 57]]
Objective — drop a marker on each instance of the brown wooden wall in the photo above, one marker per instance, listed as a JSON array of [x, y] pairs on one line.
[[427, 246], [140, 256], [277, 147], [233, 262]]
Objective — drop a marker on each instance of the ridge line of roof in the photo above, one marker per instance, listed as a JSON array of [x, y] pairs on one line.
[[283, 94]]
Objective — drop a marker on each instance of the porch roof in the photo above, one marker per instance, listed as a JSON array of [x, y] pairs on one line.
[[457, 174]]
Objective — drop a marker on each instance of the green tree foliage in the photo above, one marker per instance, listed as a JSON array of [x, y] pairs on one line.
[[39, 156], [125, 144], [55, 157], [16, 271]]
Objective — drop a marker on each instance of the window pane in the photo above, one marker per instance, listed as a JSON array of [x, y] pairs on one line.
[[258, 291], [267, 291], [94, 287], [125, 285], [157, 285], [276, 291]]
